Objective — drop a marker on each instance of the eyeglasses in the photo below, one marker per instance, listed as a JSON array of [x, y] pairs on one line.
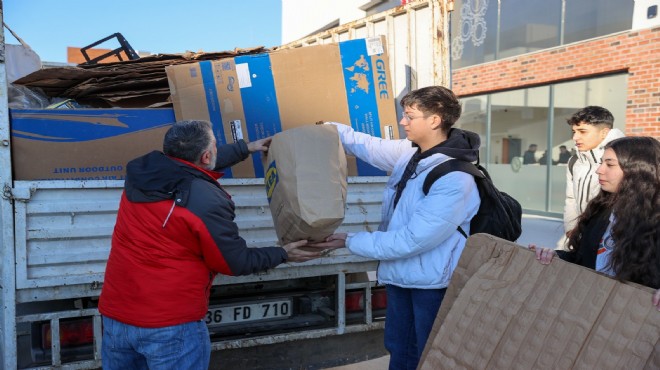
[[406, 117]]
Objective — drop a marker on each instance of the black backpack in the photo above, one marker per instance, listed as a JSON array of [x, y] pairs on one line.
[[499, 213]]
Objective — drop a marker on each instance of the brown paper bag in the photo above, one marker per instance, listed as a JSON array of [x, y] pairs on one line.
[[306, 182]]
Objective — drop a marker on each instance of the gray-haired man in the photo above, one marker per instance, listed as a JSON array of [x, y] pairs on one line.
[[175, 231]]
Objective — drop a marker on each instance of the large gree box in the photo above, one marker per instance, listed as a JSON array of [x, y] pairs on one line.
[[83, 144], [256, 96]]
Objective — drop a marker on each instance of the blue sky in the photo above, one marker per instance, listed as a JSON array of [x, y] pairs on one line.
[[156, 26]]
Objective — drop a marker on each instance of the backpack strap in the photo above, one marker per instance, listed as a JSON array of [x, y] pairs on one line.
[[451, 166], [571, 163]]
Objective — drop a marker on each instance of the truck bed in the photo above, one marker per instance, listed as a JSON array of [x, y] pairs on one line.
[[63, 231]]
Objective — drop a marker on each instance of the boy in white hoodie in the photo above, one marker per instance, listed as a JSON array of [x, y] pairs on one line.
[[592, 129]]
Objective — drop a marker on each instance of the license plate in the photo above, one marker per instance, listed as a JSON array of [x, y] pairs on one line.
[[232, 314]]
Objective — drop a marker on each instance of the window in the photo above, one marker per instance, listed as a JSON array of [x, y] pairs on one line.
[[569, 97], [523, 130], [474, 118], [473, 32], [487, 30], [527, 26], [587, 19], [519, 121]]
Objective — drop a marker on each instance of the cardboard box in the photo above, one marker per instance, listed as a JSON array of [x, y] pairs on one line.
[[83, 144], [256, 96], [504, 310]]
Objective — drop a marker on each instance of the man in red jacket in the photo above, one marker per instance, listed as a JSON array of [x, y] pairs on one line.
[[175, 231]]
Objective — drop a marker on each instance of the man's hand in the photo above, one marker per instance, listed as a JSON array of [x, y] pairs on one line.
[[656, 299], [333, 241], [296, 254], [260, 145]]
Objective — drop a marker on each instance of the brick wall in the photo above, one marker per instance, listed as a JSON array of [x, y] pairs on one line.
[[637, 52]]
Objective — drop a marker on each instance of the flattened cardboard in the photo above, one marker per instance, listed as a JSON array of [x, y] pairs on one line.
[[106, 85], [209, 91], [306, 183], [348, 82], [504, 310], [83, 144]]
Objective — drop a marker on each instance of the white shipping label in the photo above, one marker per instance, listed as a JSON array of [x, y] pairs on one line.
[[236, 131], [374, 46], [389, 133], [243, 72]]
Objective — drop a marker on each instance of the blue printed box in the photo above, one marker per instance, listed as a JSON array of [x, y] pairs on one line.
[[255, 96], [83, 144]]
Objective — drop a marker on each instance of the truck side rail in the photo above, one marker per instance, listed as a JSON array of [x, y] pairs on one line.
[[63, 231]]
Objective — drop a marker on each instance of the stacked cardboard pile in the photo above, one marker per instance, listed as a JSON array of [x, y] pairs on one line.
[[129, 84], [255, 96], [245, 95], [504, 310]]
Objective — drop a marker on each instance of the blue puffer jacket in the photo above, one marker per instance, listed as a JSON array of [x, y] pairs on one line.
[[417, 242]]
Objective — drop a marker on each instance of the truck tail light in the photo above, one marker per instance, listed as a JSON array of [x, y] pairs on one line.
[[378, 299], [355, 300], [72, 333]]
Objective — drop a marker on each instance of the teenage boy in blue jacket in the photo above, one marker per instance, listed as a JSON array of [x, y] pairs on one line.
[[417, 242]]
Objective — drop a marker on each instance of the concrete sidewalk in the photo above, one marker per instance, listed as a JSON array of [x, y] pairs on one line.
[[375, 364]]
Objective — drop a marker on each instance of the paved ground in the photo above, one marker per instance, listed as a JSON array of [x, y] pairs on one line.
[[543, 231], [375, 364]]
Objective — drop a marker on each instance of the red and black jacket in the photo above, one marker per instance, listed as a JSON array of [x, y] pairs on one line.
[[175, 230]]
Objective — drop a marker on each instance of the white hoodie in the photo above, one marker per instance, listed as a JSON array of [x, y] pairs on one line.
[[582, 185]]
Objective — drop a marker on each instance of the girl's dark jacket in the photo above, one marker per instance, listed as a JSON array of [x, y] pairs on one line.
[[585, 254], [175, 231]]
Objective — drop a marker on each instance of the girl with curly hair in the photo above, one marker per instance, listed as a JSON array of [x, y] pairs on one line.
[[619, 232]]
